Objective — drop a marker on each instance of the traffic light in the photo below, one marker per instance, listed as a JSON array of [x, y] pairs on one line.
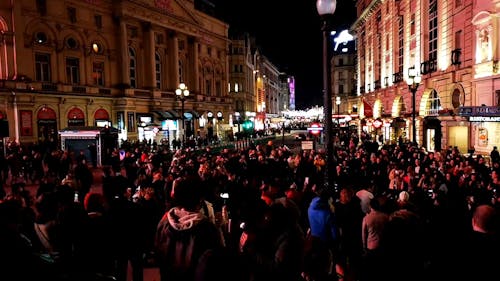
[[247, 125]]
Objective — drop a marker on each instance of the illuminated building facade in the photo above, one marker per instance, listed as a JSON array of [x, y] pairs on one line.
[[483, 109], [435, 38], [95, 62], [241, 74], [343, 77]]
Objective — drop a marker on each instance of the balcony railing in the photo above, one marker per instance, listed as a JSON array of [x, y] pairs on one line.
[[456, 56], [397, 77], [431, 112], [104, 91], [79, 89], [49, 87], [428, 66]]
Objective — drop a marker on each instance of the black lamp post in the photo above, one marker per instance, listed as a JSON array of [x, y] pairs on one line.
[[413, 82], [326, 8], [237, 115], [182, 93]]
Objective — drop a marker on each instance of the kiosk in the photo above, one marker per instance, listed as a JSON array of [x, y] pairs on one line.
[[97, 143]]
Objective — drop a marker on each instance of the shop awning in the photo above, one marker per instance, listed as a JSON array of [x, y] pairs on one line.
[[161, 115], [173, 114], [193, 113], [167, 114]]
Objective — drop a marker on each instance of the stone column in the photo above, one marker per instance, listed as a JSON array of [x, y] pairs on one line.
[[196, 78], [150, 62], [124, 58]]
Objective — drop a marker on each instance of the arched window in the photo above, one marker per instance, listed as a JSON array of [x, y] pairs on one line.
[[132, 68], [158, 70], [434, 104]]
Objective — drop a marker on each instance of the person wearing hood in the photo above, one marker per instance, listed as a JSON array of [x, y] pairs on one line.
[[187, 242], [323, 234]]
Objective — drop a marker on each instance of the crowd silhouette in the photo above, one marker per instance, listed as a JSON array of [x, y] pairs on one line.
[[394, 212]]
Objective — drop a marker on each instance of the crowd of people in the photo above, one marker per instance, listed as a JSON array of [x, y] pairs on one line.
[[392, 212]]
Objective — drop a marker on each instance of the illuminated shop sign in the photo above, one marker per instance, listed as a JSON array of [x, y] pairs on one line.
[[484, 119], [492, 111]]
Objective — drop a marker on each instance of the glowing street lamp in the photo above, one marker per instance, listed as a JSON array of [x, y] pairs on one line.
[[182, 93], [413, 82], [326, 9]]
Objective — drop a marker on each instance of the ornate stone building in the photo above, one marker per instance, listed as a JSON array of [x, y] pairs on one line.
[[103, 62], [434, 38], [242, 77], [483, 110]]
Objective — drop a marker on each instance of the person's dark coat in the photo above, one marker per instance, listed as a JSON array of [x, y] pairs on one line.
[[184, 240]]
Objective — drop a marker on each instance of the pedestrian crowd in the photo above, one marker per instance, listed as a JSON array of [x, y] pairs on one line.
[[390, 212]]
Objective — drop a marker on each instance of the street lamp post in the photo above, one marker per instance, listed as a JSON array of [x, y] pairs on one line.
[[326, 9], [337, 102], [237, 115], [182, 93], [413, 82]]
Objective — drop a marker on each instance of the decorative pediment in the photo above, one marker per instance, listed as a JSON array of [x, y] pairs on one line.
[[154, 8], [481, 18]]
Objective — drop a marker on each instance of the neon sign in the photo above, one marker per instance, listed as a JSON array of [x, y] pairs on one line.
[[343, 38]]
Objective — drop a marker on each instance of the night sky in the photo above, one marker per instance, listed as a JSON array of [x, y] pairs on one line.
[[289, 34]]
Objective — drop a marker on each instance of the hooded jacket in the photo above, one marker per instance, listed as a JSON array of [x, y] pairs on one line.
[[183, 239], [322, 220]]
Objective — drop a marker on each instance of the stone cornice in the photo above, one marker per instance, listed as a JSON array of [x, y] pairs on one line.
[[366, 14]]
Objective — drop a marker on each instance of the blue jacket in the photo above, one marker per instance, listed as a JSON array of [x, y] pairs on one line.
[[322, 220]]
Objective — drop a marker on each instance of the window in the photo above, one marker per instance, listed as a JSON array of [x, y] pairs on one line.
[[98, 73], [228, 87], [208, 87], [41, 6], [412, 24], [72, 14], [41, 38], [401, 46], [132, 68], [97, 48], [73, 70], [42, 67], [218, 88], [433, 30], [209, 51], [158, 70], [241, 68], [458, 39], [341, 62], [235, 68], [71, 43], [455, 98], [434, 104], [236, 87], [98, 21], [341, 89]]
